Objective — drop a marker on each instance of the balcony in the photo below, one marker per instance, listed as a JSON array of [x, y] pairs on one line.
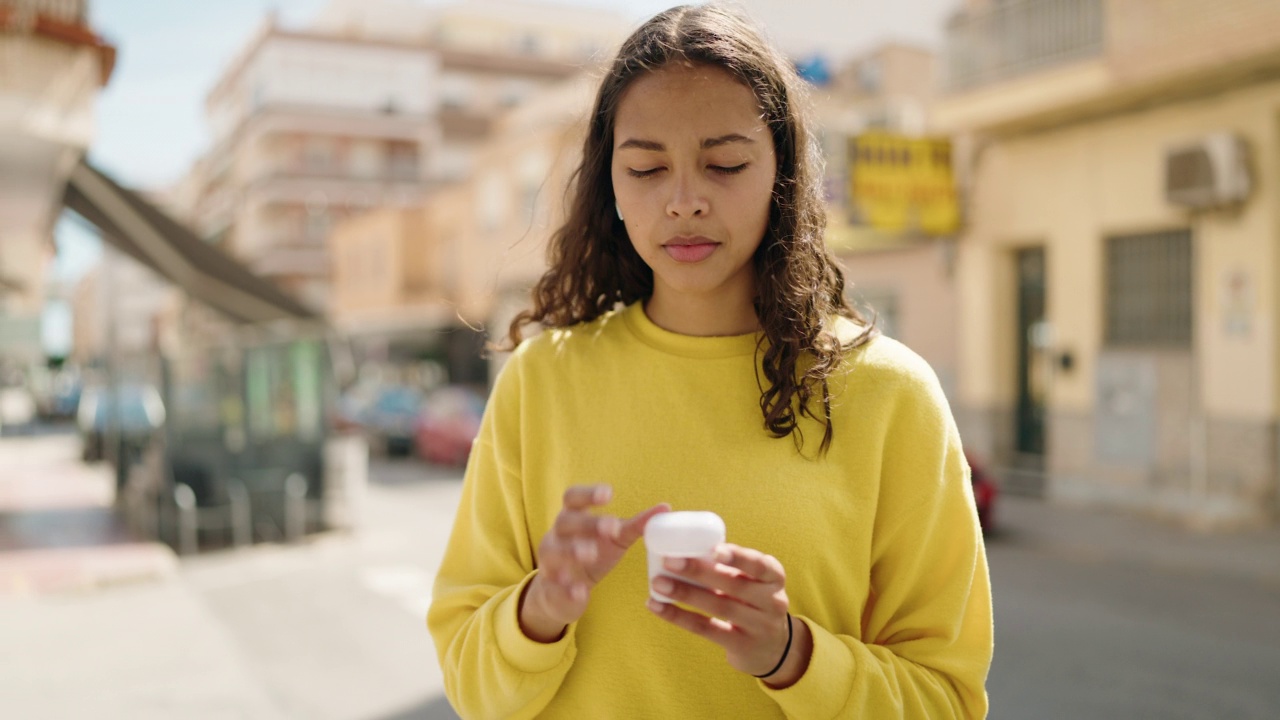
[[292, 260], [1020, 37], [70, 12], [1024, 65]]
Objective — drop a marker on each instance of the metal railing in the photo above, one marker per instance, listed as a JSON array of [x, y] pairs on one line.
[[1019, 37], [71, 12]]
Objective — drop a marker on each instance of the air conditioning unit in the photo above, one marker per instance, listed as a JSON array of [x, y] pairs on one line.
[[1210, 172]]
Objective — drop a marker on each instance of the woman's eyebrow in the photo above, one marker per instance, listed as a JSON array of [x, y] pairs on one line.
[[706, 143], [725, 140]]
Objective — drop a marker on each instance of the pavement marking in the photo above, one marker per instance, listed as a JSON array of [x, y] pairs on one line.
[[407, 585]]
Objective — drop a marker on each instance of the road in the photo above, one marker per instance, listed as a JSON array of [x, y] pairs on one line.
[[1097, 616], [336, 630], [1101, 627]]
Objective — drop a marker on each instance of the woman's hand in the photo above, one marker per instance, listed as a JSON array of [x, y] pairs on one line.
[[573, 557], [744, 606]]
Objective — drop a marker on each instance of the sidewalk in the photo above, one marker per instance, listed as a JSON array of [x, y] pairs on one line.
[[96, 623], [146, 651], [58, 532], [1090, 533]]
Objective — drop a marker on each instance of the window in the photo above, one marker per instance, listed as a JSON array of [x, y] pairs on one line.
[[1148, 290], [318, 225], [318, 154], [514, 91], [455, 91], [528, 44], [402, 160], [870, 75], [878, 303], [284, 391]]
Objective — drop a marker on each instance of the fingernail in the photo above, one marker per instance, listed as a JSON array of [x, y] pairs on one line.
[[603, 493], [676, 564], [655, 606], [663, 584], [585, 552]]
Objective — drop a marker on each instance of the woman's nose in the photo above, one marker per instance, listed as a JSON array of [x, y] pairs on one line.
[[687, 200]]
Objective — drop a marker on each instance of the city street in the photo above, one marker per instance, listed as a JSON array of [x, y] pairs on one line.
[[1097, 615]]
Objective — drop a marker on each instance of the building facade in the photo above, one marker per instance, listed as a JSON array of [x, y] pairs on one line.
[[52, 70], [469, 256], [306, 130], [1119, 261], [375, 106], [475, 250], [904, 278]]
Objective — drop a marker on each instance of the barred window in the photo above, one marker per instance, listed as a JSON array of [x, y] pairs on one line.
[[1148, 302]]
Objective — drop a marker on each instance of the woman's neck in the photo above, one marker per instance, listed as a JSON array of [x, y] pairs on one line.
[[702, 315]]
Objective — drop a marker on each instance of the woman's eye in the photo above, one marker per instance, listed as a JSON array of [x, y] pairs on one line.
[[642, 173], [729, 170]]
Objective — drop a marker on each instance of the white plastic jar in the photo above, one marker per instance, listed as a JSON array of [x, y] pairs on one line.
[[684, 534]]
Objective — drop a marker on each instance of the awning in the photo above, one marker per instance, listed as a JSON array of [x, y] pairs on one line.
[[142, 231]]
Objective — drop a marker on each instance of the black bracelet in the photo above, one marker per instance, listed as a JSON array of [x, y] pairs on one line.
[[785, 651]]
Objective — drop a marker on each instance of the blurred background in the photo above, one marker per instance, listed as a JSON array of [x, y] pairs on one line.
[[251, 253]]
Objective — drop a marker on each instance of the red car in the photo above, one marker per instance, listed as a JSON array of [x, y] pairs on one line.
[[985, 493], [449, 421]]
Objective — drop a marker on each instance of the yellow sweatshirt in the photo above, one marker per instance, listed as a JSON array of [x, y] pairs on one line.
[[879, 538]]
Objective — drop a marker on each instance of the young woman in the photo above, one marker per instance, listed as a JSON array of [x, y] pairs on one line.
[[699, 355]]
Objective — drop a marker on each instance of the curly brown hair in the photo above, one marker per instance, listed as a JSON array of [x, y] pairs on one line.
[[800, 286]]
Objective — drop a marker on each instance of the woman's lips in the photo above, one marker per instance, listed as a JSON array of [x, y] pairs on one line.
[[691, 253]]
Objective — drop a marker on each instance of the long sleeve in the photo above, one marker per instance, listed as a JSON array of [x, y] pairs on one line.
[[926, 641], [491, 669]]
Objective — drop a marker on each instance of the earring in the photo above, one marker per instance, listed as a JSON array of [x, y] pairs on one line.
[[618, 208]]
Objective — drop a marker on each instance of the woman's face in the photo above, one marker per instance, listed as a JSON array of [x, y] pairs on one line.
[[693, 172]]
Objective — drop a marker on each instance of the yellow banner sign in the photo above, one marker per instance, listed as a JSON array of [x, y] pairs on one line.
[[900, 184]]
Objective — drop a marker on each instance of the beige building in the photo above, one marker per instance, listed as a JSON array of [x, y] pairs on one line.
[[468, 257], [374, 106], [1118, 270], [906, 279]]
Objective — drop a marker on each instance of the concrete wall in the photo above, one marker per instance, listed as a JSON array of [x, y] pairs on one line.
[[921, 279]]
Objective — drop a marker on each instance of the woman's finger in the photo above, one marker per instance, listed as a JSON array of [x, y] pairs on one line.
[[632, 528], [759, 566], [582, 497], [564, 559], [709, 602], [724, 579], [571, 523], [714, 629]]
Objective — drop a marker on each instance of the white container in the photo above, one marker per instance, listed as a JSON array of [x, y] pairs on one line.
[[686, 534]]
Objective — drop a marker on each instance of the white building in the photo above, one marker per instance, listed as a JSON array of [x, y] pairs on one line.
[[51, 70], [372, 107]]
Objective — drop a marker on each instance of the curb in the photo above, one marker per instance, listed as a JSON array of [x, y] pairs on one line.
[[55, 571]]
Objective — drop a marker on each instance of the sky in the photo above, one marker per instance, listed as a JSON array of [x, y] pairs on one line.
[[150, 117]]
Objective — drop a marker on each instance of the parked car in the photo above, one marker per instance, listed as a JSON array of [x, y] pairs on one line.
[[63, 399], [135, 409], [349, 412], [985, 492], [390, 419], [448, 424]]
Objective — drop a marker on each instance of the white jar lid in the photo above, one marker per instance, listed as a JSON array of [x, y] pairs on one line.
[[684, 534]]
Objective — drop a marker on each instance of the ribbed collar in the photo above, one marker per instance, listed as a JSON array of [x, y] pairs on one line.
[[691, 346]]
